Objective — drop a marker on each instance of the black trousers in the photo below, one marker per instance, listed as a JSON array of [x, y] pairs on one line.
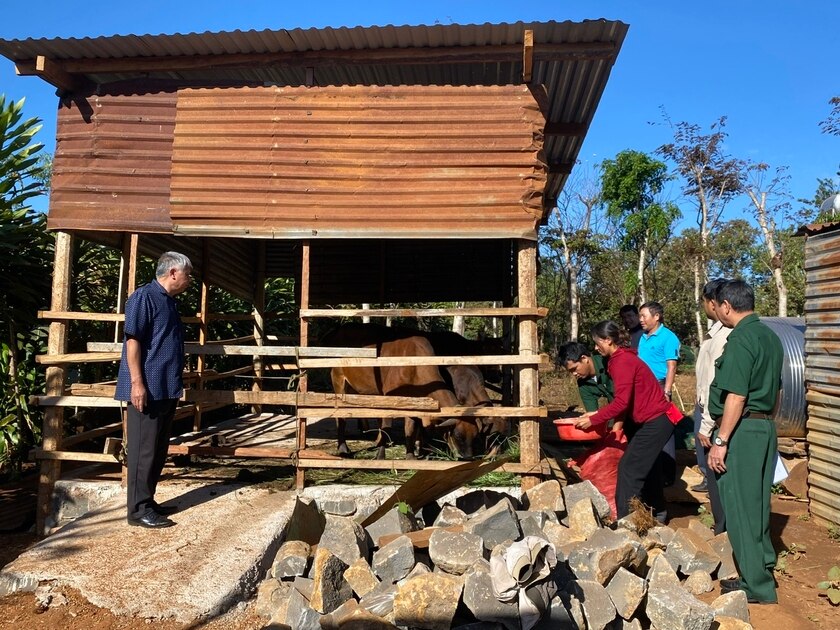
[[640, 470], [148, 441]]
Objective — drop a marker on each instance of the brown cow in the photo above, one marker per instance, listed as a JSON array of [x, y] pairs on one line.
[[420, 381]]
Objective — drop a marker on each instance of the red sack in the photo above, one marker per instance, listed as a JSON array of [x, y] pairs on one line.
[[600, 464]]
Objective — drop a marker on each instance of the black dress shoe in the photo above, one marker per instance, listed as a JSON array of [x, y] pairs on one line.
[[701, 487], [166, 510], [729, 586], [152, 520]]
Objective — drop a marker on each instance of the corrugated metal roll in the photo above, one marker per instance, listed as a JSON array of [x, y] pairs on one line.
[[792, 412]]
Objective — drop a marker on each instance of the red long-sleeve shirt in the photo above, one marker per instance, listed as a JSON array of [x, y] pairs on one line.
[[637, 392]]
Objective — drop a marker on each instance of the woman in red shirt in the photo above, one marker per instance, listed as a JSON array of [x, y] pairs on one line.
[[640, 400]]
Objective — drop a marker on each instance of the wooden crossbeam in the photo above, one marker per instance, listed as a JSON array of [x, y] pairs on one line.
[[424, 312], [445, 412], [313, 399], [53, 73], [541, 468], [215, 348], [420, 55], [489, 359]]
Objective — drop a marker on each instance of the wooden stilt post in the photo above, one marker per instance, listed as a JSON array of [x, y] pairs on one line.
[[203, 317], [529, 430], [128, 282], [57, 344], [300, 477], [259, 320]]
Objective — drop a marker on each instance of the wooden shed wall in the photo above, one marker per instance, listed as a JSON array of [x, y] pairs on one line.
[[822, 372], [358, 161]]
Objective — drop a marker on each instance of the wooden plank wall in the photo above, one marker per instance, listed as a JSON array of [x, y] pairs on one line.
[[822, 373]]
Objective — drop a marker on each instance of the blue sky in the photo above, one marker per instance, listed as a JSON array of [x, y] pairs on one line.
[[770, 66]]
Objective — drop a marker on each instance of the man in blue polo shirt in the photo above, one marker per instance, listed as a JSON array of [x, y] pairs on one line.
[[659, 348], [151, 381]]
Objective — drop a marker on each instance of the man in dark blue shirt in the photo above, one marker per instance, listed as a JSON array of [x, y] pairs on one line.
[[151, 381]]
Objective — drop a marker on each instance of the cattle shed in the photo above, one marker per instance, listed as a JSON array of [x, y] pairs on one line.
[[384, 166], [822, 368]]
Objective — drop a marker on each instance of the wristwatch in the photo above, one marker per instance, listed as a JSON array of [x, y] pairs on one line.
[[718, 441]]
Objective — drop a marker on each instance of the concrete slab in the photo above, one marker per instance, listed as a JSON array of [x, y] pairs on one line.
[[227, 534]]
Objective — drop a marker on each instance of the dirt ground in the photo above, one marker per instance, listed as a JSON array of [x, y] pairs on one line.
[[807, 550]]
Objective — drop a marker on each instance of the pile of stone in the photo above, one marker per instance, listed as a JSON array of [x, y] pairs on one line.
[[332, 573]]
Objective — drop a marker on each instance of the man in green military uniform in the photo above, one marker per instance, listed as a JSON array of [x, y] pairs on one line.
[[741, 398], [590, 370]]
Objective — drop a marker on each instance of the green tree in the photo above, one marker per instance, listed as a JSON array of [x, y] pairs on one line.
[[711, 178], [631, 185], [24, 278]]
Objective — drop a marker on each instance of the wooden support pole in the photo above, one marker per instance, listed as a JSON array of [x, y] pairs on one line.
[[300, 474], [204, 305], [259, 321], [529, 430], [128, 278], [57, 344]]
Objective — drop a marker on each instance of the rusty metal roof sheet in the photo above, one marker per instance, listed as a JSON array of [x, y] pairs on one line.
[[573, 60], [358, 161], [818, 228]]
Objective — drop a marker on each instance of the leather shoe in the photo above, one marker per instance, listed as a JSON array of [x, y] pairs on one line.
[[729, 586], [152, 520], [701, 487], [166, 510]]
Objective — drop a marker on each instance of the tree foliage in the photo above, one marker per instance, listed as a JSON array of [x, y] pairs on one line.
[[25, 253]]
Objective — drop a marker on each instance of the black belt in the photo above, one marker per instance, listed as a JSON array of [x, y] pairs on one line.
[[756, 415]]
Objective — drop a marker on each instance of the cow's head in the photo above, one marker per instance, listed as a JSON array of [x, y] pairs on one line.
[[460, 436]]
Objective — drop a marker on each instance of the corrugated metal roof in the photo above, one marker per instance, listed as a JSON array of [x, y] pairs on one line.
[[818, 228], [574, 79]]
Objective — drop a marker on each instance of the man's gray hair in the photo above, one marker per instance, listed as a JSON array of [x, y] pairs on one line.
[[172, 260]]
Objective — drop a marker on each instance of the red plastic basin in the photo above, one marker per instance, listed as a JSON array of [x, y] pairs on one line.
[[571, 433]]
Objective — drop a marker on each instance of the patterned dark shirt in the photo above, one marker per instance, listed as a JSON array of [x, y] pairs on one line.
[[151, 317]]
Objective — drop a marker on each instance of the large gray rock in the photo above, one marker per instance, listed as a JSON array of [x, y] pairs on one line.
[[577, 491], [455, 552], [598, 609], [558, 535], [272, 594], [721, 546], [546, 496], [338, 507], [698, 583], [291, 559], [531, 524], [583, 519], [659, 537], [671, 606], [692, 552], [732, 604], [345, 538], [601, 555], [449, 516], [661, 574], [626, 591], [361, 577], [557, 617], [394, 560], [395, 521], [481, 601], [306, 522], [299, 614], [479, 500], [329, 588], [496, 524], [428, 601], [704, 531], [380, 601]]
